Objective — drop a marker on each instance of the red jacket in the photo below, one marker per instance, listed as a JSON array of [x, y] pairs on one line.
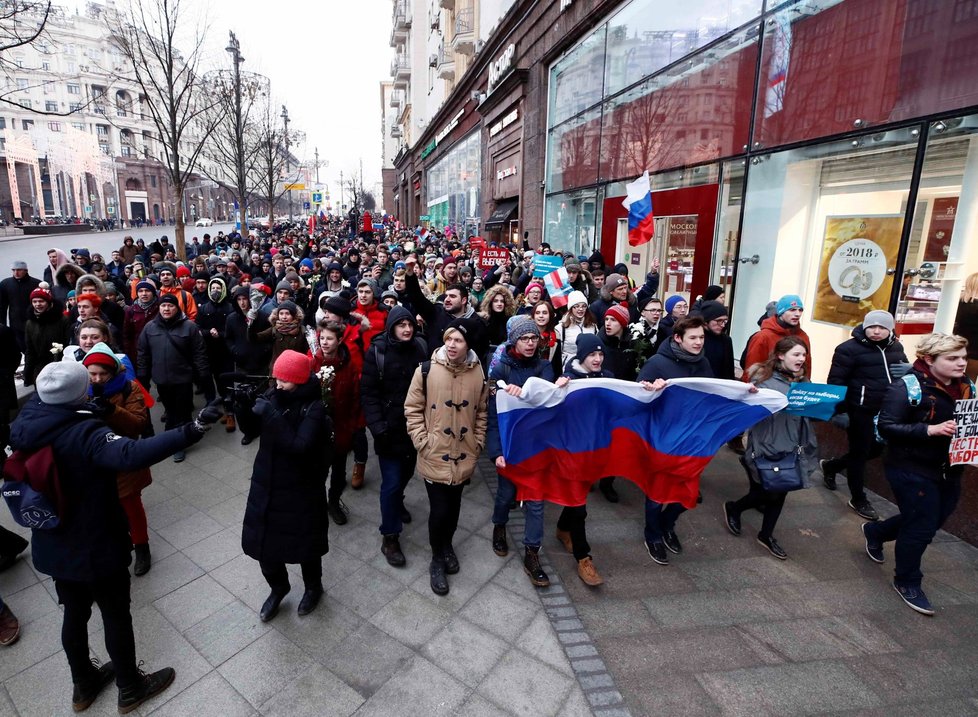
[[347, 413], [376, 314], [762, 343]]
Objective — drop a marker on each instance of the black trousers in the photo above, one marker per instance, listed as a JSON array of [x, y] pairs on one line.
[[277, 575], [178, 402], [863, 447], [572, 519], [112, 597], [768, 502], [337, 483], [446, 502], [11, 543]]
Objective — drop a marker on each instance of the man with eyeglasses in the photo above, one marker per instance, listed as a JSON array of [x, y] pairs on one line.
[[718, 346]]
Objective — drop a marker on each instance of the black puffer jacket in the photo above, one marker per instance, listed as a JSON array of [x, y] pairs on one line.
[[382, 392], [42, 332], [171, 351], [285, 518], [248, 356], [904, 427], [93, 539], [864, 367]]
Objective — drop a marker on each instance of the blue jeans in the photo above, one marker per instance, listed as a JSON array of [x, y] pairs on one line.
[[924, 506], [395, 472], [532, 511], [660, 518]]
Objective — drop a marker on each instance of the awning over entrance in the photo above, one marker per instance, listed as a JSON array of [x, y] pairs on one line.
[[504, 212]]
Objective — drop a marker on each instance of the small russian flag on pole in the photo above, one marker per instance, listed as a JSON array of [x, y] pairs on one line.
[[639, 206], [558, 286]]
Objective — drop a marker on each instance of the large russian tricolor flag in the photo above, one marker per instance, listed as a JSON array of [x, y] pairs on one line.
[[641, 224], [558, 441]]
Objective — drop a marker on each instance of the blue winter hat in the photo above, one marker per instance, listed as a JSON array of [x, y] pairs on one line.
[[306, 263], [672, 301], [587, 344], [787, 303]]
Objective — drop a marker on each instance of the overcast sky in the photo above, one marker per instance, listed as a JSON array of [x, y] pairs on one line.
[[326, 61]]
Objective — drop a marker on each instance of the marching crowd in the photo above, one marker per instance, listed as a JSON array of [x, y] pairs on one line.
[[307, 341]]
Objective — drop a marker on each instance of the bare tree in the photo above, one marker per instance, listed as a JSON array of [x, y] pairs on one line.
[[237, 95], [270, 157], [148, 33]]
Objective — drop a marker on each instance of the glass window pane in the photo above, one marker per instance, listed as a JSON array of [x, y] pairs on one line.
[[453, 187], [696, 112], [643, 39], [572, 152], [837, 65], [576, 79], [823, 222], [570, 221]]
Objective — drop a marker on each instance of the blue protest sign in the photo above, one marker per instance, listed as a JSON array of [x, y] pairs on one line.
[[814, 400], [543, 264]]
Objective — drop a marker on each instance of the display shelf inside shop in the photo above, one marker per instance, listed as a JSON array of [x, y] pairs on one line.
[[918, 309]]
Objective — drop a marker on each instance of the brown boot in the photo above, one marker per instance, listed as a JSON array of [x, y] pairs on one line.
[[588, 573], [564, 537], [356, 481], [229, 423]]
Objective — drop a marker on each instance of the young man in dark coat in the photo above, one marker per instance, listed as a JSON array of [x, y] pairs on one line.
[[679, 357], [15, 300], [212, 316], [46, 327], [437, 317], [88, 554], [388, 367], [518, 363], [866, 364], [286, 518], [171, 353], [718, 346]]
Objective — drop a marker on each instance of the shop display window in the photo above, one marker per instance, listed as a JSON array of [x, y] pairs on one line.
[[576, 80], [844, 65], [572, 152], [824, 222], [694, 112], [642, 39], [729, 204], [571, 219], [453, 187]]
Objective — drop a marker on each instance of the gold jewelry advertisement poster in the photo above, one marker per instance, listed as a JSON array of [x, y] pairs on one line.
[[852, 278]]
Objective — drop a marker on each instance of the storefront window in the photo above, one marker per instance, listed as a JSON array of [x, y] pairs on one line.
[[576, 79], [571, 221], [642, 39], [943, 248], [836, 66], [696, 112], [572, 152], [823, 222], [453, 185], [728, 223]]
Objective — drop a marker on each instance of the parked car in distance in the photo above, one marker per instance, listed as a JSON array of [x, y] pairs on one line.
[[204, 222]]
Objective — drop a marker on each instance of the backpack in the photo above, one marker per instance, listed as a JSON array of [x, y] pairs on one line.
[[32, 489], [914, 396]]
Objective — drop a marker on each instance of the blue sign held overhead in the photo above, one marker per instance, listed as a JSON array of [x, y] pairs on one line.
[[543, 264]]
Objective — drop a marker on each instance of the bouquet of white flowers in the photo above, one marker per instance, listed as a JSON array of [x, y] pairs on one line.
[[326, 375]]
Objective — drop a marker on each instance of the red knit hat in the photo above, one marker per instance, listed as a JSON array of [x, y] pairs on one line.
[[182, 271], [619, 313], [292, 366], [42, 293]]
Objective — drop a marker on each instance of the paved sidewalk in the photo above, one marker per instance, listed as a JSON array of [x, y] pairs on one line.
[[380, 643], [725, 629]]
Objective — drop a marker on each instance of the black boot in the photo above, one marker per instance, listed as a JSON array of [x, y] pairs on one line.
[[450, 559], [270, 608], [337, 511], [310, 598], [607, 486], [531, 564], [148, 687], [391, 548], [439, 583], [84, 693], [144, 561], [499, 545]]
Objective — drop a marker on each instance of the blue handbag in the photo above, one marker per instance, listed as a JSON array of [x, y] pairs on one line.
[[781, 473]]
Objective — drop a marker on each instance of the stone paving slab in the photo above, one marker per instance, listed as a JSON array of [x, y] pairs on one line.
[[725, 629]]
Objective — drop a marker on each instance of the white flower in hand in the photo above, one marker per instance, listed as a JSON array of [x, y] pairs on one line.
[[57, 348]]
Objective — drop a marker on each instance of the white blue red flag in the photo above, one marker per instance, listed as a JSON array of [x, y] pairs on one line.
[[558, 441], [641, 224], [558, 287]]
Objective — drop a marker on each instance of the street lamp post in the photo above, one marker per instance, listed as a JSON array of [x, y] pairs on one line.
[[288, 168]]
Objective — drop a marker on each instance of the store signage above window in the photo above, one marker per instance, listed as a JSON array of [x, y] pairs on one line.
[[433, 144], [502, 66], [507, 172], [504, 122]]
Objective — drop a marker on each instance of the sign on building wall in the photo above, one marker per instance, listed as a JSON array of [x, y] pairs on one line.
[[852, 277]]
